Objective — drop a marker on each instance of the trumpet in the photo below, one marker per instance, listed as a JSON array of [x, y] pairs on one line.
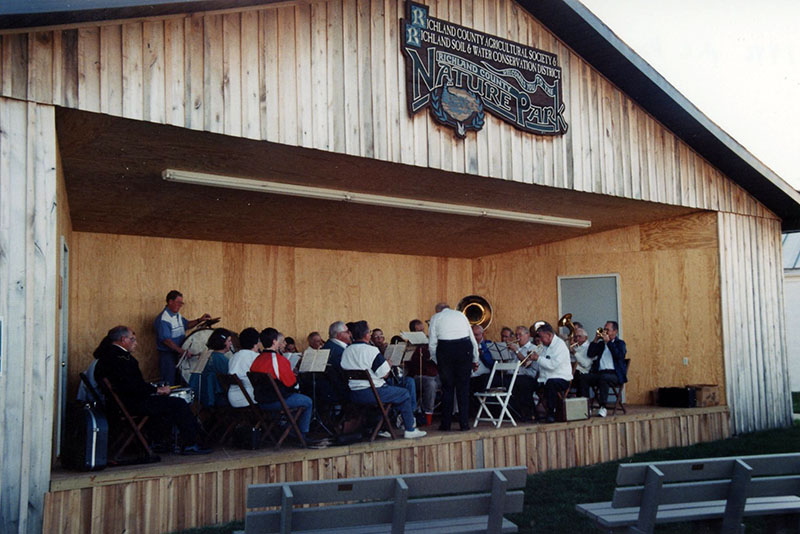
[[600, 331]]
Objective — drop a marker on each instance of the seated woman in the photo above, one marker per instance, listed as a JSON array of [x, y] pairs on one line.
[[205, 384], [273, 363]]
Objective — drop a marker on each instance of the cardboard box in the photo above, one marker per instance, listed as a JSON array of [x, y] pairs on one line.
[[707, 394]]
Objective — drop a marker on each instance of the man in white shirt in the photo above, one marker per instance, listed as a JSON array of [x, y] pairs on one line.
[[361, 355], [580, 355], [240, 364], [555, 368], [452, 345], [526, 384]]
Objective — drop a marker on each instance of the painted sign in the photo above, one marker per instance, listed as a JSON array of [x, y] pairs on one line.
[[460, 74]]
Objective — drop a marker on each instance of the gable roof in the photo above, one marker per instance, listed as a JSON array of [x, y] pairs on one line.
[[569, 20]]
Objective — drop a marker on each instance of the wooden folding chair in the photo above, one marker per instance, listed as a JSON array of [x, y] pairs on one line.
[[130, 427], [260, 380], [383, 408], [497, 396], [618, 391], [231, 416]]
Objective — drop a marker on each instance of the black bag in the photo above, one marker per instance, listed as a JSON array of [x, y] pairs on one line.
[[247, 437], [677, 397], [85, 445]]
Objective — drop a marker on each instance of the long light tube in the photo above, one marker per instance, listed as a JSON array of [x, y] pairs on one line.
[[279, 188]]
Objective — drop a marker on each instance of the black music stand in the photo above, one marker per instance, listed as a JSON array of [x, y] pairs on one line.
[[314, 362]]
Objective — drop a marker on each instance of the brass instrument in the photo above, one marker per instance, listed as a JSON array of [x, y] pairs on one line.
[[600, 332], [477, 310], [566, 322]]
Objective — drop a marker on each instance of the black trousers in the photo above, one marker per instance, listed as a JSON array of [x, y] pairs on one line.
[[454, 359], [172, 411], [602, 380], [552, 388], [522, 396]]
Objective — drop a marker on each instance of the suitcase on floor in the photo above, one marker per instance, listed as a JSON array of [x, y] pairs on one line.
[[85, 439]]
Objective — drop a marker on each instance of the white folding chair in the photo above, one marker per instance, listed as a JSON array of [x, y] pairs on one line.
[[497, 396]]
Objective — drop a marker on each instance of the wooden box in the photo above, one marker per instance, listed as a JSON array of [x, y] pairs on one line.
[[707, 394]]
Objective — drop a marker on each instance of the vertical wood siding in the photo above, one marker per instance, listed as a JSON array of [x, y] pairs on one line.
[[330, 76], [170, 498], [28, 250], [753, 322]]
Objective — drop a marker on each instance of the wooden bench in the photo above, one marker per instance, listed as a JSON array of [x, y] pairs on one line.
[[450, 501], [712, 489]]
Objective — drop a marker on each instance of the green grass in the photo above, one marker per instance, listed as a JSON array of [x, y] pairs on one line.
[[550, 497], [796, 401]]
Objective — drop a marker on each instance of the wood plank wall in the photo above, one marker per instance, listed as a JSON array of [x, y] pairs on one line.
[[169, 498], [329, 75], [118, 279], [669, 291], [28, 249], [753, 322]]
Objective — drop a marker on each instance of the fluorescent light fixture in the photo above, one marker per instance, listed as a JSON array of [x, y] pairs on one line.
[[279, 188]]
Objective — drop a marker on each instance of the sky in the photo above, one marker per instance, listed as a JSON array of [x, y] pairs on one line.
[[738, 61]]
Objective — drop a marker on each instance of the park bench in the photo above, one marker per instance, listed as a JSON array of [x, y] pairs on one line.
[[711, 489], [449, 501]]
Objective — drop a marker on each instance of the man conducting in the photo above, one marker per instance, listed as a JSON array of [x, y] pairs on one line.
[[171, 329], [452, 345]]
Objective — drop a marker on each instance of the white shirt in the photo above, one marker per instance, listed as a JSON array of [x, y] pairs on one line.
[[554, 361], [533, 369], [582, 358], [448, 325], [362, 355], [239, 365], [606, 360]]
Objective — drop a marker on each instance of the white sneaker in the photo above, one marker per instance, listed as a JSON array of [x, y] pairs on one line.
[[602, 412], [385, 434], [415, 433]]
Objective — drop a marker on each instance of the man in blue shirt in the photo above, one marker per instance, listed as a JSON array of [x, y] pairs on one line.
[[171, 329]]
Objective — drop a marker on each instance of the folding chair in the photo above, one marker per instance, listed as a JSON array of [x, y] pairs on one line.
[[363, 374], [260, 380], [497, 396], [130, 429], [618, 391], [250, 415]]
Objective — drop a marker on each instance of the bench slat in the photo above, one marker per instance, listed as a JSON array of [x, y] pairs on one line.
[[351, 515], [708, 491], [460, 525], [383, 488], [711, 468], [612, 517]]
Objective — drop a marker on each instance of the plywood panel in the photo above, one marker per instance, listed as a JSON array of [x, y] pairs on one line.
[[669, 288], [294, 290]]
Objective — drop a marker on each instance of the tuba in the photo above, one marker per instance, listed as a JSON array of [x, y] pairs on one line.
[[566, 322], [476, 309]]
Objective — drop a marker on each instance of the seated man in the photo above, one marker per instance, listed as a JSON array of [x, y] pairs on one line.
[[315, 340], [273, 363], [555, 369], [362, 355], [480, 377], [580, 355], [608, 367], [422, 369], [379, 340], [117, 364], [526, 384]]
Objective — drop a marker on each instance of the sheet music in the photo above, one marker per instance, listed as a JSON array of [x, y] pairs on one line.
[[293, 358], [499, 351], [314, 361], [415, 338], [394, 354]]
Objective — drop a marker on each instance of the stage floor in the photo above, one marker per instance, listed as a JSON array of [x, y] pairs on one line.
[[606, 438]]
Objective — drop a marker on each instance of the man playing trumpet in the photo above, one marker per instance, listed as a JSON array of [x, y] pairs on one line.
[[525, 386], [608, 354]]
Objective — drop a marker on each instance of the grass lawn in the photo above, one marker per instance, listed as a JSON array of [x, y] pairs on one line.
[[550, 497], [796, 401]]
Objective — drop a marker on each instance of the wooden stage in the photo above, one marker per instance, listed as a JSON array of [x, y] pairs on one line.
[[188, 491]]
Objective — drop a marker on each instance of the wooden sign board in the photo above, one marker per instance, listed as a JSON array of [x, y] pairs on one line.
[[460, 74]]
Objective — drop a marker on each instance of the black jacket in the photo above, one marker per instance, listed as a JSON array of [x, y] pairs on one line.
[[618, 351]]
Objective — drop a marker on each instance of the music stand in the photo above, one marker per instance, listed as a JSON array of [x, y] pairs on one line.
[[315, 361]]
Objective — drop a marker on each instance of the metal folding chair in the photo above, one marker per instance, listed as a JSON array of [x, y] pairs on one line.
[[497, 396]]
